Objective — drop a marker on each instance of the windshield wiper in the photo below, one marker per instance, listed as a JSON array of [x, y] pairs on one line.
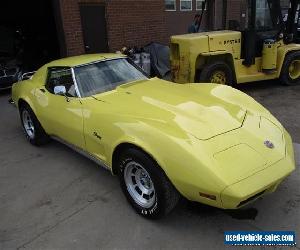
[[97, 99]]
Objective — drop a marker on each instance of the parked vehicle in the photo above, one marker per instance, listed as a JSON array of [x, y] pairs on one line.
[[10, 57], [9, 74], [207, 142], [265, 50]]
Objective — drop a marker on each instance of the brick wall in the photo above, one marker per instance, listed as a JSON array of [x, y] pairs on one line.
[[178, 21], [129, 23], [135, 22], [237, 10], [71, 23], [138, 22], [218, 14], [233, 10]]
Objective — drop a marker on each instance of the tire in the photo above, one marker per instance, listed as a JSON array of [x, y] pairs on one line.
[[145, 185], [217, 72], [288, 77], [32, 128]]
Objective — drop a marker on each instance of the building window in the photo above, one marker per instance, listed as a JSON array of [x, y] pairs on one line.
[[199, 4], [170, 5], [186, 5]]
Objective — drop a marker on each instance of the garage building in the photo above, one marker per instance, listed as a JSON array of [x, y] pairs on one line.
[[49, 29]]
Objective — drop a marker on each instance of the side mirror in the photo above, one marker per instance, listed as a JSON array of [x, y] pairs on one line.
[[60, 90]]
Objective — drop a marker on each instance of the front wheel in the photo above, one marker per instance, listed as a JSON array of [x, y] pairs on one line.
[[290, 73], [145, 185], [217, 72], [33, 130]]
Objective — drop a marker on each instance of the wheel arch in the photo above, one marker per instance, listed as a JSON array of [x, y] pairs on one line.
[[204, 59], [283, 54], [124, 146], [22, 102], [25, 101]]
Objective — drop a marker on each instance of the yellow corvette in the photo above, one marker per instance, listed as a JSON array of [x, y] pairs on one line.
[[208, 143]]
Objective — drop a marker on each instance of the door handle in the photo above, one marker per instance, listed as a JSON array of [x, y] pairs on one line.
[[42, 90]]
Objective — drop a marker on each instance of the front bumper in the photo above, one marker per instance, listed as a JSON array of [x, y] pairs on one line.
[[240, 191], [253, 187], [263, 182]]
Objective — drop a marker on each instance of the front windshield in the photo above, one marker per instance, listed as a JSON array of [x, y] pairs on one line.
[[103, 76]]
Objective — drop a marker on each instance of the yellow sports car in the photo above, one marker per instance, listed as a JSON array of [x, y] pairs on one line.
[[208, 143]]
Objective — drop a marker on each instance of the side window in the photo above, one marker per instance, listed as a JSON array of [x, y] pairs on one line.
[[61, 77]]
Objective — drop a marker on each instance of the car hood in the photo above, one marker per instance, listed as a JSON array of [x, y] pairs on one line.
[[202, 110]]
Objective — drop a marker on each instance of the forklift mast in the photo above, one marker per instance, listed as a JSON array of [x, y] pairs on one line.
[[292, 22], [286, 30], [275, 12]]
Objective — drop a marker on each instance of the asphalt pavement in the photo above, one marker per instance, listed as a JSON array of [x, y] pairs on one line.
[[54, 198]]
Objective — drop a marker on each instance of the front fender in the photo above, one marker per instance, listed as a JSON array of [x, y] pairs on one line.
[[25, 91], [283, 51], [183, 159]]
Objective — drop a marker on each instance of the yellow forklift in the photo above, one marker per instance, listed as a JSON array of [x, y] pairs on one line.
[[265, 50]]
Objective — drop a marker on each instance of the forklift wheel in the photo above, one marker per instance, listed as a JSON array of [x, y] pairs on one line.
[[217, 72], [290, 73]]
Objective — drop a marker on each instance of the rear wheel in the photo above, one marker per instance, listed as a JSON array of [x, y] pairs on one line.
[[145, 185], [290, 73], [217, 72], [33, 130]]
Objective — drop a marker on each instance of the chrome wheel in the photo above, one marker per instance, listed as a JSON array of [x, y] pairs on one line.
[[28, 124], [139, 184]]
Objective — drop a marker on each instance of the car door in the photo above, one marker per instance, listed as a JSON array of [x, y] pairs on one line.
[[91, 79], [61, 114]]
